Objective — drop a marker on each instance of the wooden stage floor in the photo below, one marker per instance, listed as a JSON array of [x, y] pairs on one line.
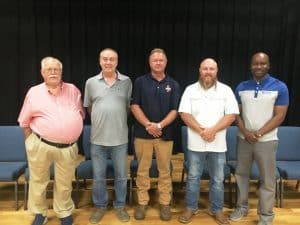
[[290, 214]]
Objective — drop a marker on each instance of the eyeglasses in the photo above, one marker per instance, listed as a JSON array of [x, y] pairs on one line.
[[55, 70]]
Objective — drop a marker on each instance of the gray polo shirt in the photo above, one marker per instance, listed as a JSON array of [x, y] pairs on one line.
[[109, 109]]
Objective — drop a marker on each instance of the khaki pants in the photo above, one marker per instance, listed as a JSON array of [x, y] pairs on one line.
[[163, 151], [40, 156]]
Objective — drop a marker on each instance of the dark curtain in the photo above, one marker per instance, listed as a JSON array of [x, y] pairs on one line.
[[75, 30]]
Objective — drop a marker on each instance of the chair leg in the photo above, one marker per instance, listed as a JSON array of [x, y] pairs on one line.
[[182, 179], [77, 193], [298, 185], [235, 193], [281, 192], [130, 190], [16, 194], [277, 192], [172, 202], [230, 193], [25, 194]]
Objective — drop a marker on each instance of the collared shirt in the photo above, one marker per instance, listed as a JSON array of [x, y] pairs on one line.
[[208, 106], [55, 118], [258, 100], [156, 99], [110, 105]]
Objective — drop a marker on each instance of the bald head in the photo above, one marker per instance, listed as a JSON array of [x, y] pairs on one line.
[[208, 73], [210, 62]]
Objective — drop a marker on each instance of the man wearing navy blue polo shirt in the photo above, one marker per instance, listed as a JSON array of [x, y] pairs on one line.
[[154, 105], [263, 105]]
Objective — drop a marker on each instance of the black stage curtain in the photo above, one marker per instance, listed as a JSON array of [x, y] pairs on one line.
[[75, 30]]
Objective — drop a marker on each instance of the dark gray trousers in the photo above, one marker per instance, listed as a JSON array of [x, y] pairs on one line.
[[264, 154]]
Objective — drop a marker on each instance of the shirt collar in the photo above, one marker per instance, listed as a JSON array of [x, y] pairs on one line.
[[61, 87], [264, 80], [119, 76], [166, 78]]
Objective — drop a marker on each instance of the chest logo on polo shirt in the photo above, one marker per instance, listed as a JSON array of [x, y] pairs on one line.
[[168, 88]]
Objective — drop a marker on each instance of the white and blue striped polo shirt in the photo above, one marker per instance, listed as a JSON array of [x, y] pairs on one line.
[[258, 100]]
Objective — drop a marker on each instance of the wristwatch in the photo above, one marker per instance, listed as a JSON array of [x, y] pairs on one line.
[[158, 126]]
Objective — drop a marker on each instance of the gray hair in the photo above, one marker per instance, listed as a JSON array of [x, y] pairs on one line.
[[50, 59], [108, 49]]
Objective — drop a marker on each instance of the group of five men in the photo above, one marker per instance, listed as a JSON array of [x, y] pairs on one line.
[[52, 118]]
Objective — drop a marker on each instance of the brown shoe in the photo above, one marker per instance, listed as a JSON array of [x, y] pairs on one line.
[[186, 216], [220, 218], [165, 212], [140, 212]]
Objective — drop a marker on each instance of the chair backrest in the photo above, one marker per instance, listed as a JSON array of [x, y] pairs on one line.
[[231, 141], [12, 146], [86, 136], [288, 144]]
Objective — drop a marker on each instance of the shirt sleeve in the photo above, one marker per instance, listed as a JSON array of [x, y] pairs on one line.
[[86, 100], [136, 93], [185, 103], [231, 106], [283, 96], [25, 115], [237, 95], [129, 94], [79, 102]]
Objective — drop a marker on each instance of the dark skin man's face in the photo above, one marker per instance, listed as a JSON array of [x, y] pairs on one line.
[[260, 66]]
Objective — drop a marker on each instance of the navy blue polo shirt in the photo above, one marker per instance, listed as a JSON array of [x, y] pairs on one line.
[[156, 99]]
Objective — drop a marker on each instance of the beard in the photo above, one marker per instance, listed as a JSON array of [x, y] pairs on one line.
[[208, 83]]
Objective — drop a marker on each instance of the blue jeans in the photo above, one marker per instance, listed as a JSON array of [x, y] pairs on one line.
[[99, 156], [215, 162]]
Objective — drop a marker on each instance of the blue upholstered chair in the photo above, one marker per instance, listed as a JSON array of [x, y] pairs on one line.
[[84, 170], [205, 174], [12, 156], [288, 156]]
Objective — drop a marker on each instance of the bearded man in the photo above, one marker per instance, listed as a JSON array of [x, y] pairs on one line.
[[207, 107]]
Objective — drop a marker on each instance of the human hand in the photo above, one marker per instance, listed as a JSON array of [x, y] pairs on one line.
[[251, 137], [208, 134], [153, 130]]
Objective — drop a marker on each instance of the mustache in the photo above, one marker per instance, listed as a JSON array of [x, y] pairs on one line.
[[208, 84]]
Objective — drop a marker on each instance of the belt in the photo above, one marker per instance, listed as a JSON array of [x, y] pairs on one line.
[[57, 145]]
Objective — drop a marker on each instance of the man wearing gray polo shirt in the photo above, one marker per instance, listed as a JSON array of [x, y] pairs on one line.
[[107, 98]]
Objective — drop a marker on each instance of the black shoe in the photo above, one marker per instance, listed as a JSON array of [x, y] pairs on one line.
[[39, 220], [66, 220]]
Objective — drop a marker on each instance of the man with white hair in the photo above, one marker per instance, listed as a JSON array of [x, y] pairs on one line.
[[52, 119]]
